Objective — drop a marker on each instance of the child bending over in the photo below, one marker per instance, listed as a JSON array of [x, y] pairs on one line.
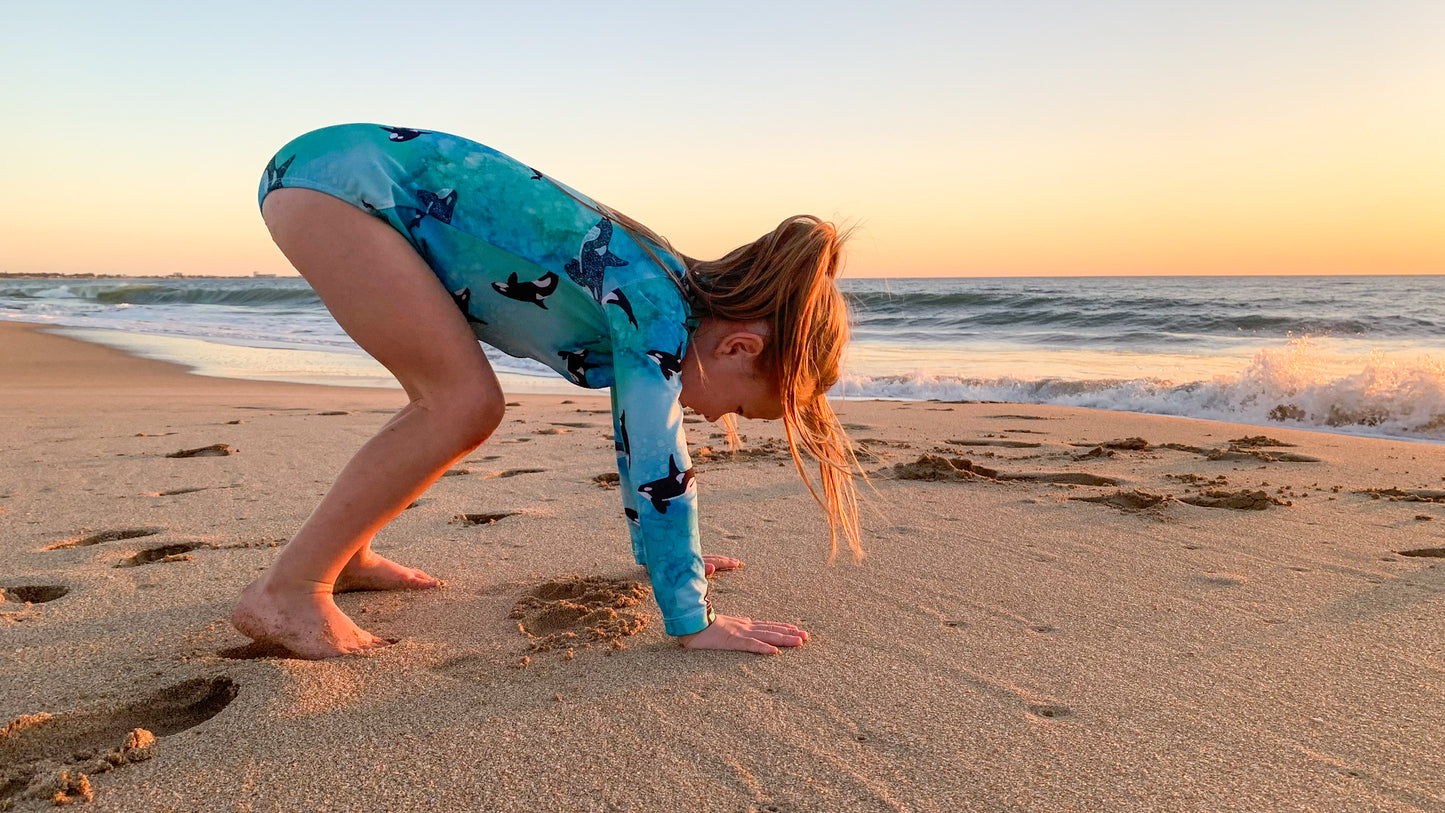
[[420, 243]]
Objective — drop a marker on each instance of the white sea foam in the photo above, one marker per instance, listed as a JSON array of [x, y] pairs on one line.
[[1300, 384]]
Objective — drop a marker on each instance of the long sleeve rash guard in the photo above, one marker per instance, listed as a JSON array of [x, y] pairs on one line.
[[539, 273]]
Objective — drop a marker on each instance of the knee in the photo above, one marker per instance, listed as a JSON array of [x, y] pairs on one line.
[[468, 417]]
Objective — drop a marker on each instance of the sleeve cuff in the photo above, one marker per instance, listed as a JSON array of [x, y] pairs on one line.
[[695, 621]]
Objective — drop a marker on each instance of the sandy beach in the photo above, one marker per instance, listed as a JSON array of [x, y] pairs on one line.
[[1060, 609]]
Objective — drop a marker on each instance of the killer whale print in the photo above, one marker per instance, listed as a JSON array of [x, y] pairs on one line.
[[631, 514], [534, 292], [594, 258], [577, 365], [536, 174], [432, 205], [616, 297], [666, 489], [670, 363], [274, 174], [463, 298], [403, 133], [621, 442]]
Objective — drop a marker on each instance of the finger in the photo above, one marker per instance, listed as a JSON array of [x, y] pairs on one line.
[[779, 638], [781, 629], [776, 626], [708, 568], [751, 644]]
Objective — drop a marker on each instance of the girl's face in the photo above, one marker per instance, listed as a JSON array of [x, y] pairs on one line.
[[720, 372]]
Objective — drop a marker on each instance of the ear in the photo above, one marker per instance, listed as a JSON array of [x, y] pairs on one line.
[[742, 343]]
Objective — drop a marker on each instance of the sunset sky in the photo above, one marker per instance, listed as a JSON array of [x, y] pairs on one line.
[[965, 138]]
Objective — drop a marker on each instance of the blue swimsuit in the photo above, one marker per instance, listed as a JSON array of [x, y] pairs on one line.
[[539, 275]]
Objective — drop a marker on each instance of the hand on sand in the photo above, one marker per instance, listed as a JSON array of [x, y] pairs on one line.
[[712, 562], [746, 635]]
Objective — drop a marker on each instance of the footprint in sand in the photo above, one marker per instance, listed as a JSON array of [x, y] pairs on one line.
[[1052, 711], [1220, 580], [1400, 495], [573, 611], [1126, 500], [214, 450], [1236, 452], [1007, 444], [935, 467], [482, 519], [1124, 444], [49, 757], [31, 593], [1019, 417], [1432, 553], [510, 473], [165, 553], [257, 650], [1243, 500], [104, 536]]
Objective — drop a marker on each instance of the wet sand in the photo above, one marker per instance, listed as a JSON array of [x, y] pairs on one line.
[[1061, 609]]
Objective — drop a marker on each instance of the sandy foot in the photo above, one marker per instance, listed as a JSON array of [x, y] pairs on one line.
[[373, 572], [310, 625]]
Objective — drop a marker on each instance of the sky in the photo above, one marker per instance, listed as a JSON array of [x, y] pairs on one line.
[[1020, 138]]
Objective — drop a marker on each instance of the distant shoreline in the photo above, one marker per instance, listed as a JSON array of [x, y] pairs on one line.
[[175, 275], [178, 275]]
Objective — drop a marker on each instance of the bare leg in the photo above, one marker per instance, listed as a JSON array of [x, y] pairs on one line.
[[368, 570], [387, 299]]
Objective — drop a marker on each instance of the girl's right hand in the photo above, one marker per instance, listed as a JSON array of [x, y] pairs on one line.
[[744, 634]]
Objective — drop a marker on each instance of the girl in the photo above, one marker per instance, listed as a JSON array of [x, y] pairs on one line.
[[420, 243]]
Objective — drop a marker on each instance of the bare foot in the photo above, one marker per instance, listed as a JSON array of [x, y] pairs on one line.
[[368, 571], [307, 623]]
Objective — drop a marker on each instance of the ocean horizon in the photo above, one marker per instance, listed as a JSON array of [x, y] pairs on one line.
[[1329, 353]]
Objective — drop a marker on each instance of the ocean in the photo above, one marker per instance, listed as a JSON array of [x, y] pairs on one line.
[[1356, 355]]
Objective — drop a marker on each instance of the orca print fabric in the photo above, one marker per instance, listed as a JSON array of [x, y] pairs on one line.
[[538, 274]]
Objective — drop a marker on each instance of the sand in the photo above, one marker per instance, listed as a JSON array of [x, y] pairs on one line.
[[1224, 627]]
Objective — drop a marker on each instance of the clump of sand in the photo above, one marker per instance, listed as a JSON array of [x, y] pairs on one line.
[[571, 610], [766, 449], [936, 467], [66, 783]]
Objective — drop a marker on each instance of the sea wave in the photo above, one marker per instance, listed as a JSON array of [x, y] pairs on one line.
[[238, 293], [1297, 384]]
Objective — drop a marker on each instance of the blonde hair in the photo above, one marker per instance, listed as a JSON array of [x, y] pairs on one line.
[[788, 279]]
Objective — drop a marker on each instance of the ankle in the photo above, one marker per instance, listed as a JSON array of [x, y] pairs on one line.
[[279, 586]]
